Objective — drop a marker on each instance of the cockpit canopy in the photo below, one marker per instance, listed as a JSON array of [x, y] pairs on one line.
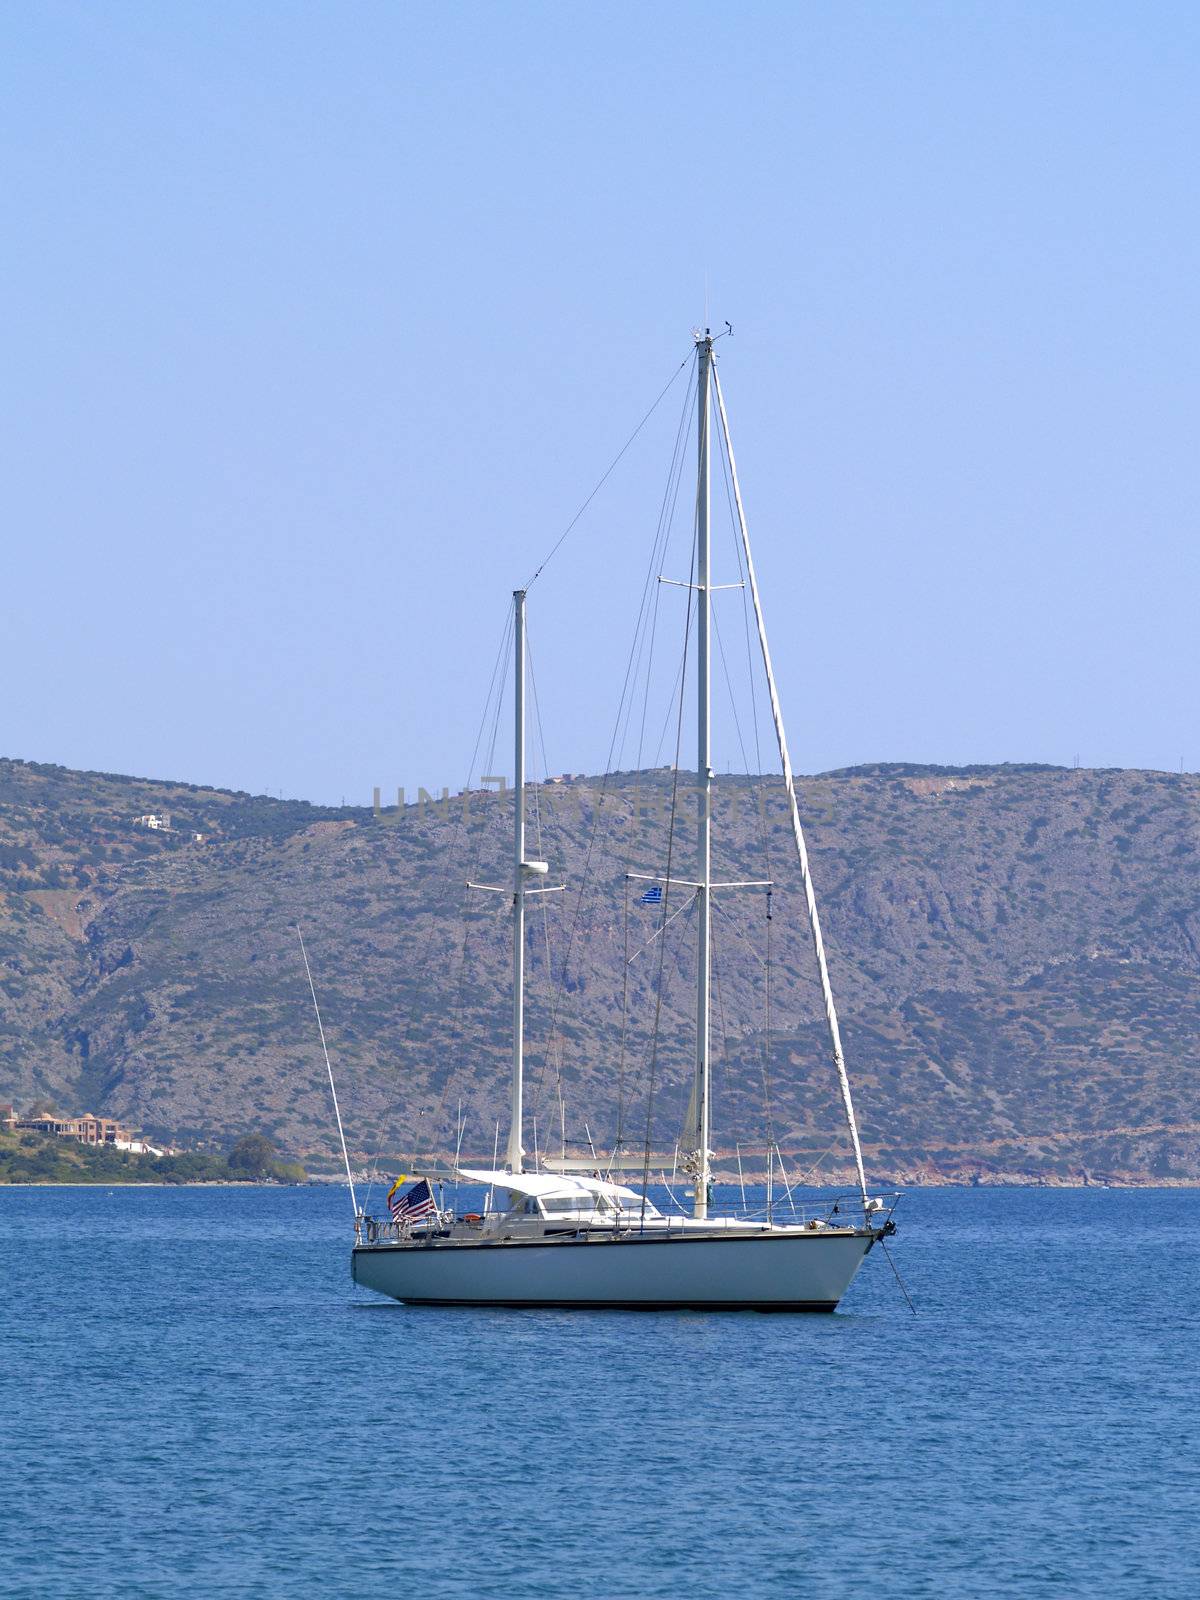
[[554, 1195]]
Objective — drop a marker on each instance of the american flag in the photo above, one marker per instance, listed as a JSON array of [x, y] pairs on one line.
[[418, 1202]]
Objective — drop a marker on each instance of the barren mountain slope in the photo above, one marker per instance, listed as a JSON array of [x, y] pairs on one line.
[[1016, 954]]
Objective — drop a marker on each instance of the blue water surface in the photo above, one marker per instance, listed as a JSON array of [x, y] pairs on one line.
[[196, 1400]]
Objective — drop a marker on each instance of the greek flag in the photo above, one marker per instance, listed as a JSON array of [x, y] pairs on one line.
[[652, 896]]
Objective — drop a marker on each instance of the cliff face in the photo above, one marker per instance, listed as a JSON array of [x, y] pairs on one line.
[[1015, 951]]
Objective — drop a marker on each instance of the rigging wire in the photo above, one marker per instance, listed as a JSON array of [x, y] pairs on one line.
[[751, 673], [468, 923], [666, 522], [658, 549], [752, 678], [499, 677], [329, 1068], [662, 737], [810, 1172], [685, 910], [899, 1279], [657, 934], [420, 999], [658, 554], [500, 667], [667, 513], [814, 920], [726, 1075], [766, 1082], [540, 740], [624, 1026], [554, 549], [687, 632], [787, 1187]]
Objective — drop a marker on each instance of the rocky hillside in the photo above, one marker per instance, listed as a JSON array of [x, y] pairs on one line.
[[1016, 953]]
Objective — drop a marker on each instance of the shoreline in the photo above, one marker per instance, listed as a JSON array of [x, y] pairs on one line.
[[1164, 1184], [160, 1183]]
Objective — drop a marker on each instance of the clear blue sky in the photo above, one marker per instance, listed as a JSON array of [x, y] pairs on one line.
[[321, 320]]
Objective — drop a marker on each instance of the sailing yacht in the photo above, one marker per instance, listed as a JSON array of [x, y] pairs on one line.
[[566, 1236]]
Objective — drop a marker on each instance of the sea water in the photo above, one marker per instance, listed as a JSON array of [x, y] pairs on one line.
[[196, 1400]]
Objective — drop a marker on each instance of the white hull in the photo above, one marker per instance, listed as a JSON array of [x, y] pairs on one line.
[[780, 1270]]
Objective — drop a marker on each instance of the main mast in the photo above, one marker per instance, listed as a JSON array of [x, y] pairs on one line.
[[515, 1151], [704, 772]]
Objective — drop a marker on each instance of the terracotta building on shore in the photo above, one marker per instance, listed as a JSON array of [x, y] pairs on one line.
[[87, 1129]]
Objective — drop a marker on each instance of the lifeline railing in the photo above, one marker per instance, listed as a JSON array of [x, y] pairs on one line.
[[834, 1211]]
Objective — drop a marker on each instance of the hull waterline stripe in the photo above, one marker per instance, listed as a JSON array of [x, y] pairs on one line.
[[627, 1305]]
